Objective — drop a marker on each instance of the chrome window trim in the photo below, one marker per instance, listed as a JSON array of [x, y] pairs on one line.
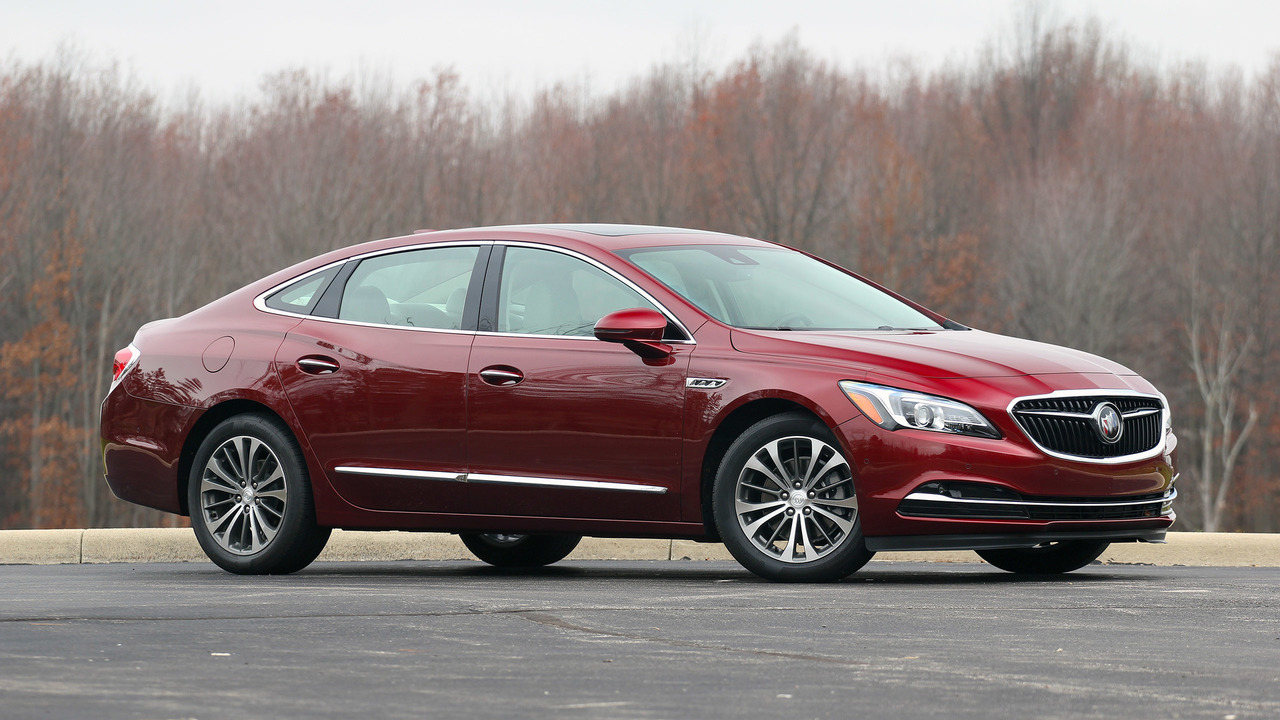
[[260, 302], [591, 261], [387, 327], [1156, 451], [492, 479]]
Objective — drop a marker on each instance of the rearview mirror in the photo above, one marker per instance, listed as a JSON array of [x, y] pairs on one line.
[[640, 329]]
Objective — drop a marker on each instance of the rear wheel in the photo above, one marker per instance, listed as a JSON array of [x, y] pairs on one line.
[[1050, 559], [511, 550], [250, 499], [785, 502]]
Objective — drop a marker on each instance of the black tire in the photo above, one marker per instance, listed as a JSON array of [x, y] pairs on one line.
[[250, 499], [1052, 559], [513, 551], [763, 538]]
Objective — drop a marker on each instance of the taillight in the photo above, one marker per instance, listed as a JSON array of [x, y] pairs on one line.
[[125, 359]]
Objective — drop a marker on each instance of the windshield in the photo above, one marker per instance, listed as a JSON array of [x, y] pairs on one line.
[[774, 289]]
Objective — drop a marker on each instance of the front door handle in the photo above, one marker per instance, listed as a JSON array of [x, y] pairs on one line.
[[317, 365], [501, 375]]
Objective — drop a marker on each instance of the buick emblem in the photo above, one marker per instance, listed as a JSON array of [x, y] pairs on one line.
[[1106, 418]]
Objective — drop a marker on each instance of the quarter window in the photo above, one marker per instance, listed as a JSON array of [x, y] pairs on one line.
[[301, 296], [424, 288]]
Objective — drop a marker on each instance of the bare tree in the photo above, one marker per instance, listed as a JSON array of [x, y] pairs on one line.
[[1217, 348]]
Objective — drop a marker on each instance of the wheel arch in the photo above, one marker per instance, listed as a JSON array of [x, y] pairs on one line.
[[205, 425], [733, 425]]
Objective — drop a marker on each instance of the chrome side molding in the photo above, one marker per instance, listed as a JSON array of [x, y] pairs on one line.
[[401, 473], [490, 479]]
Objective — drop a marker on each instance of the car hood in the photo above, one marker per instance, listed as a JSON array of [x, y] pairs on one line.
[[928, 353]]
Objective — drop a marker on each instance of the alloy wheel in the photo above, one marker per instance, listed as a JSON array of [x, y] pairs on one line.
[[243, 495], [795, 499]]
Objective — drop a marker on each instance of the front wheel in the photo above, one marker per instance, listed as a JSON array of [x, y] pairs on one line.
[[510, 550], [785, 502], [250, 499], [1052, 559]]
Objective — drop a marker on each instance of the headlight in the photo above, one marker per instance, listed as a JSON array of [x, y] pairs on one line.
[[891, 408]]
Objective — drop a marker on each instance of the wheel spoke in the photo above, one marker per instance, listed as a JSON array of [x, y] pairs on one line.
[[845, 525], [276, 476], [246, 449], [830, 542], [772, 450], [213, 472], [244, 533], [836, 460], [773, 536], [754, 527], [220, 503], [849, 502], [743, 507], [224, 521], [251, 530], [772, 491], [810, 552], [755, 464], [789, 551], [268, 516]]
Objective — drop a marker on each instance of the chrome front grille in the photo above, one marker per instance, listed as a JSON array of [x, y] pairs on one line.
[[1067, 425]]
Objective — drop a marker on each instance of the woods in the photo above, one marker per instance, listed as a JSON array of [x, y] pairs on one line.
[[1053, 188]]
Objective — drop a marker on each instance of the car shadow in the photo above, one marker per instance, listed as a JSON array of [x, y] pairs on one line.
[[717, 572]]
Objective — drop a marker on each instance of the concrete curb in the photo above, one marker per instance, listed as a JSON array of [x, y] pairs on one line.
[[54, 547]]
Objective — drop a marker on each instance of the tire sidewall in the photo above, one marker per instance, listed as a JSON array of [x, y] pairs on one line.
[[852, 553], [297, 529]]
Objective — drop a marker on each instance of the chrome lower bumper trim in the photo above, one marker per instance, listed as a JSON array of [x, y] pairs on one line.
[[947, 499]]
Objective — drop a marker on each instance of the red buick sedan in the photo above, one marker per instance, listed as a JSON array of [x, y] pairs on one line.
[[524, 386]]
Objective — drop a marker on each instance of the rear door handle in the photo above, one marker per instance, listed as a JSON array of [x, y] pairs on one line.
[[501, 375], [316, 365]]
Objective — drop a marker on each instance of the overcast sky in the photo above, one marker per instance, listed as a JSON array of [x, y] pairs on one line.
[[224, 48]]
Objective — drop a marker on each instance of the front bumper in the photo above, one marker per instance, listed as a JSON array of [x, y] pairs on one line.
[[919, 490]]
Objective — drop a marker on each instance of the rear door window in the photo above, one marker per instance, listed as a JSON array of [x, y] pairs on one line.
[[425, 288]]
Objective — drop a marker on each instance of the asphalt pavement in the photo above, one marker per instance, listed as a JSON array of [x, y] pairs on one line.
[[636, 639]]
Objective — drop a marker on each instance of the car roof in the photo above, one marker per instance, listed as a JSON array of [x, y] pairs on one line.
[[606, 236]]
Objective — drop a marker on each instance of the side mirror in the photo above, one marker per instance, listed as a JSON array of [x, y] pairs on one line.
[[640, 329]]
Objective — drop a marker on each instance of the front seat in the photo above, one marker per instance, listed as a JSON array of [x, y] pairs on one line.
[[552, 308]]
